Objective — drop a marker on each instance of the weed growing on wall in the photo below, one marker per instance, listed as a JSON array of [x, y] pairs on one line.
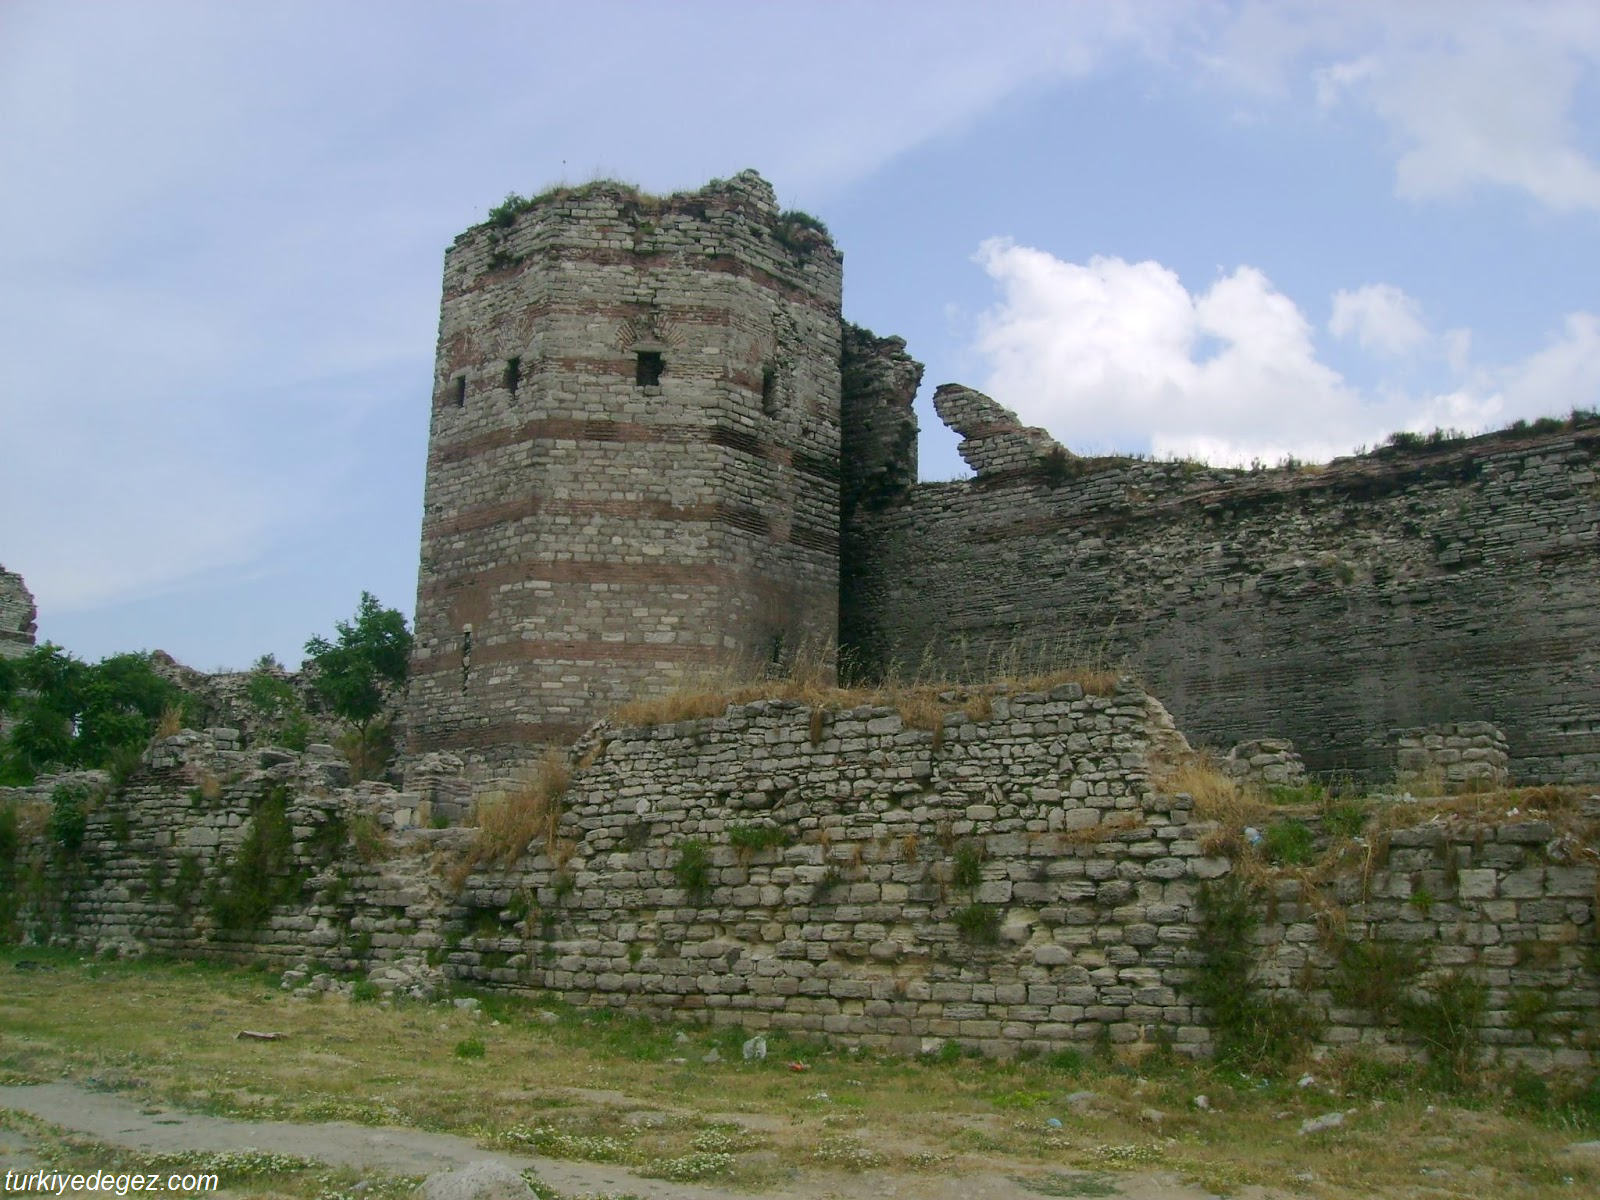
[[978, 923], [1252, 1032], [259, 878], [968, 869], [692, 869], [1448, 1024], [752, 839], [1289, 843], [510, 823], [1375, 976], [69, 818], [10, 847]]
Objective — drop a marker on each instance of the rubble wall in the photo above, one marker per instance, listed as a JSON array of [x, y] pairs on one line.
[[1012, 878]]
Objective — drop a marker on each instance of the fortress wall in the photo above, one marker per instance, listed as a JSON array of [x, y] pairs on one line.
[[1329, 605], [17, 616], [589, 537], [1079, 919]]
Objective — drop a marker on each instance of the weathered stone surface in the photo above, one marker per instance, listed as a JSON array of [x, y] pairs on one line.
[[1326, 606], [17, 616], [855, 926], [633, 467]]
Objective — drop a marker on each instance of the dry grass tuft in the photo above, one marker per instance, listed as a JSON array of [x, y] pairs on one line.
[[1216, 796], [923, 703], [1089, 835], [171, 721], [510, 822]]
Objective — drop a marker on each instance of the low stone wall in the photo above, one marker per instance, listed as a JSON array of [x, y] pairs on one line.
[[1013, 879]]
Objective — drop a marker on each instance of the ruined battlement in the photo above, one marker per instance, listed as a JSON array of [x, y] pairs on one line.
[[17, 615]]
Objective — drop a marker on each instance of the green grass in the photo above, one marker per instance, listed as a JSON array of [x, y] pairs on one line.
[[163, 1033]]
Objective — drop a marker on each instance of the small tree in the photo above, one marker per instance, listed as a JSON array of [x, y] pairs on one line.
[[275, 701], [354, 674], [70, 714]]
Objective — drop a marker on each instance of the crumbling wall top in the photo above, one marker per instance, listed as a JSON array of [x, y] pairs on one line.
[[18, 616], [994, 439]]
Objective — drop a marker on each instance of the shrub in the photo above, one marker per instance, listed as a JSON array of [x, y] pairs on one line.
[[1345, 819], [471, 1047], [1252, 1032], [1374, 976], [1448, 1025]]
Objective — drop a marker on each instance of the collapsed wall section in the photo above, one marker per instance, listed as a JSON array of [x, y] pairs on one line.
[[633, 465], [1328, 605]]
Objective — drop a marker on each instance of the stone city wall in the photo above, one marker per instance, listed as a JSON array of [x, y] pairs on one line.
[[1326, 605], [1012, 879]]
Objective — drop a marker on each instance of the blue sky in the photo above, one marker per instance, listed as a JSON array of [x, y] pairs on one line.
[[1224, 229]]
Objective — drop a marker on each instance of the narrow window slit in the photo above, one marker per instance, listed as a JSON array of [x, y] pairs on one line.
[[649, 369], [458, 390], [513, 374]]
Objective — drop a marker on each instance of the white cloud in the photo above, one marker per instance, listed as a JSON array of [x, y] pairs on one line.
[[1112, 354], [1470, 93], [1380, 316]]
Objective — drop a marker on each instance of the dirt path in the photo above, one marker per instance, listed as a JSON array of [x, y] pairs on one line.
[[117, 1120]]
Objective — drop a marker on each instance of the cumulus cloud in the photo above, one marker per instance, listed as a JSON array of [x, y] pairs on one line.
[[1113, 353], [1380, 317], [1110, 354]]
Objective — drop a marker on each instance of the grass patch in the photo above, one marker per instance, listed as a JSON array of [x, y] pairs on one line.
[[163, 1033]]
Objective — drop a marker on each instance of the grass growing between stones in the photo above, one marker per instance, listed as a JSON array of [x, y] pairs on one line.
[[590, 1085]]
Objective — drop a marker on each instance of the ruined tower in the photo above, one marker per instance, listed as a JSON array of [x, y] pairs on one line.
[[633, 460], [17, 615]]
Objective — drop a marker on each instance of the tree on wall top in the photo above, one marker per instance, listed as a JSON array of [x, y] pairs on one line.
[[354, 674]]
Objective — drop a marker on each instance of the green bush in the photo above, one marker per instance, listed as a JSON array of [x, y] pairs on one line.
[[1344, 819], [471, 1047], [1252, 1032], [1374, 976], [71, 715], [1449, 1026]]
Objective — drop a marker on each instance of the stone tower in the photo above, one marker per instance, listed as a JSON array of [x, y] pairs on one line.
[[633, 465]]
